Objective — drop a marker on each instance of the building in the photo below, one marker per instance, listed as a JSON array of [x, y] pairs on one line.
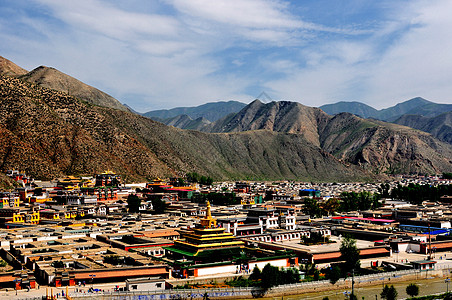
[[145, 284]]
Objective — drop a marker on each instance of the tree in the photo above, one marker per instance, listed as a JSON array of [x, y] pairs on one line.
[[350, 254], [335, 274], [133, 203], [447, 175], [270, 277], [312, 208], [389, 293], [158, 205], [412, 289], [256, 274]]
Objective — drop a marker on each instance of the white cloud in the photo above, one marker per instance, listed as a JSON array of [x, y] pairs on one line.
[[192, 52], [403, 59]]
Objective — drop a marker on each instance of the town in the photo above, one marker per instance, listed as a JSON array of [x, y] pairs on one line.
[[81, 232]]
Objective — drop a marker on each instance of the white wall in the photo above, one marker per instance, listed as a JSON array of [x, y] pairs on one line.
[[275, 263], [217, 270]]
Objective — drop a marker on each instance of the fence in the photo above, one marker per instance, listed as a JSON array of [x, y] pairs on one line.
[[247, 292]]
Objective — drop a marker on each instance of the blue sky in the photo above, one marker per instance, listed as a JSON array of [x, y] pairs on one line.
[[161, 54]]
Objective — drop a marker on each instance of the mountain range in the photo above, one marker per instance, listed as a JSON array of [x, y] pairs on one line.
[[48, 133], [414, 113], [415, 106], [210, 111]]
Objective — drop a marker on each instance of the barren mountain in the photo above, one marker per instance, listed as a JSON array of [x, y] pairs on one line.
[[53, 79], [7, 67], [283, 116], [439, 126], [375, 145], [385, 147], [47, 133]]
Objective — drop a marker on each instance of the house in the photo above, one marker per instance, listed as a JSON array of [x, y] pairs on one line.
[[145, 284], [424, 265]]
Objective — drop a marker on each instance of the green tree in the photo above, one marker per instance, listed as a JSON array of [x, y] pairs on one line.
[[383, 189], [389, 293], [447, 175], [335, 274], [158, 206], [312, 208], [3, 263], [412, 289], [133, 203], [256, 274], [349, 254], [270, 277]]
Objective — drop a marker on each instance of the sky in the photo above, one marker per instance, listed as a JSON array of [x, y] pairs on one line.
[[160, 54]]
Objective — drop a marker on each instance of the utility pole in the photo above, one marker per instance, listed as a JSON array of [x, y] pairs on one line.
[[353, 281], [429, 243]]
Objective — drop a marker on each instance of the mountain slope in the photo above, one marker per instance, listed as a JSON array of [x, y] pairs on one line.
[[48, 134], [7, 67], [210, 111], [376, 146], [185, 122], [439, 126], [392, 113], [384, 147], [53, 79], [282, 116], [354, 107]]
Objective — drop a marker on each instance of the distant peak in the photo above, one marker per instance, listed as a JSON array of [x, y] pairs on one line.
[[264, 97]]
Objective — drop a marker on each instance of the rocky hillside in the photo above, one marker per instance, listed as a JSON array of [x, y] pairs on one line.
[[377, 146], [439, 126], [384, 147], [7, 67], [283, 116], [53, 79], [47, 134]]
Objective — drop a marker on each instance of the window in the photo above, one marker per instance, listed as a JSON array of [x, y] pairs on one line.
[[134, 287], [159, 285]]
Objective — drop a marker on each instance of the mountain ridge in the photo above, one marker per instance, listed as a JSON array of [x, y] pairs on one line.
[[54, 79], [49, 134], [416, 105], [211, 111], [377, 146]]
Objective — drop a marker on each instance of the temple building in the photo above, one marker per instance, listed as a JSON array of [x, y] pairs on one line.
[[206, 243], [207, 249]]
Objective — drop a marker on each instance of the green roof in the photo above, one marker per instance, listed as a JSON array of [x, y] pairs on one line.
[[176, 250]]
